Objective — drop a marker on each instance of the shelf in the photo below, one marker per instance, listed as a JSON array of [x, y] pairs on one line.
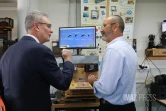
[[157, 58], [149, 54]]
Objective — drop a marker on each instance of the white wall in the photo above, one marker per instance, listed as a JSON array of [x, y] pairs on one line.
[[148, 17], [62, 13]]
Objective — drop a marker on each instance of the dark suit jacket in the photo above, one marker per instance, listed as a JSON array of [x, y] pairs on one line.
[[27, 70]]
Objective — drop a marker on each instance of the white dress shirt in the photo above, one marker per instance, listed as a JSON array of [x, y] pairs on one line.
[[116, 82], [33, 37]]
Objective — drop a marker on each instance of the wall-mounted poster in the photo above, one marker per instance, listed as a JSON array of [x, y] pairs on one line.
[[93, 12], [126, 9]]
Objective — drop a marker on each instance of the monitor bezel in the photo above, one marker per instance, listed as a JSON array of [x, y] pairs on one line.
[[77, 47]]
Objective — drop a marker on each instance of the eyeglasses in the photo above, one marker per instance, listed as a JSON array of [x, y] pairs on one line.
[[107, 24], [48, 25]]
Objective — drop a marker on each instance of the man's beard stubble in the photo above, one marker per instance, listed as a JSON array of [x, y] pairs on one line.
[[107, 35]]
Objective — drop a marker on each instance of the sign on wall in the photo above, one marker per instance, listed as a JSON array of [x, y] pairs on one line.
[[125, 9], [93, 12]]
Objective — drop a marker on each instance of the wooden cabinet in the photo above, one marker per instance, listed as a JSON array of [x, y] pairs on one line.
[[150, 54]]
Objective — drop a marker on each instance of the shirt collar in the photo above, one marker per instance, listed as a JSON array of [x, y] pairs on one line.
[[33, 37], [120, 38]]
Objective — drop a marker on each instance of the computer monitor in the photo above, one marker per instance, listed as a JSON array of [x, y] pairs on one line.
[[163, 26], [77, 37]]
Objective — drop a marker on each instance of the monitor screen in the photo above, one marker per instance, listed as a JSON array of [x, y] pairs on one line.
[[163, 26], [77, 37]]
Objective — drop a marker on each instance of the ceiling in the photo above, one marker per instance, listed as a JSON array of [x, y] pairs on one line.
[[8, 1]]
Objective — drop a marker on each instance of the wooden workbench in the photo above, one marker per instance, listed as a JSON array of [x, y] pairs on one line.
[[153, 99], [86, 96], [78, 105]]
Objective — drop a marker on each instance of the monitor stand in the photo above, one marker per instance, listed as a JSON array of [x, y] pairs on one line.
[[78, 53]]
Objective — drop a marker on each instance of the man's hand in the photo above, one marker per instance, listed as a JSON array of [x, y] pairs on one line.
[[91, 79], [67, 55]]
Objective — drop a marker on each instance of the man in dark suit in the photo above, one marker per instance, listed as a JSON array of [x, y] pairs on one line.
[[28, 68]]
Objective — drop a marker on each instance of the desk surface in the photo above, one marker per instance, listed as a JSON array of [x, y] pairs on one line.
[[76, 105], [160, 101], [163, 102]]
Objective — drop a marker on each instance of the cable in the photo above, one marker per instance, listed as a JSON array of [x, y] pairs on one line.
[[150, 69], [145, 82], [148, 91], [146, 55], [143, 66], [146, 105], [139, 86], [158, 31], [155, 66], [141, 70]]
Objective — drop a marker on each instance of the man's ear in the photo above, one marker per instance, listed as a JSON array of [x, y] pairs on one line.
[[36, 26], [115, 27]]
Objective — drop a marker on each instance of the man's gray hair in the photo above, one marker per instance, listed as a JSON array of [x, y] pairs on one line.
[[118, 19], [34, 16]]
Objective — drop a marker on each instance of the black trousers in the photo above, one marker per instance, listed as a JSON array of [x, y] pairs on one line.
[[106, 106]]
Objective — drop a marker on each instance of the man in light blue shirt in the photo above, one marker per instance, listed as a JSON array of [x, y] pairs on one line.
[[116, 85]]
